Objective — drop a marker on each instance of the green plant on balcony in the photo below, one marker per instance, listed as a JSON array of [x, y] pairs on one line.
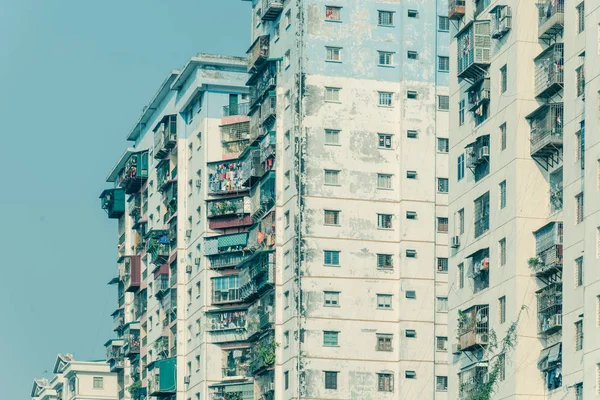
[[266, 352], [134, 389], [535, 263], [161, 347]]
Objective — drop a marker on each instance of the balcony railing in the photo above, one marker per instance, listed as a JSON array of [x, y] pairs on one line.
[[252, 168], [471, 380], [456, 9], [236, 109], [225, 244], [134, 173], [549, 71], [225, 177], [257, 274], [268, 110], [240, 391], [262, 83], [474, 44], [479, 95], [228, 321], [227, 260], [165, 136], [165, 175], [158, 246], [118, 319], [546, 130], [132, 343], [551, 18], [225, 289], [262, 355], [550, 308], [263, 197], [235, 132], [271, 9], [113, 202], [258, 53], [473, 327], [228, 207]]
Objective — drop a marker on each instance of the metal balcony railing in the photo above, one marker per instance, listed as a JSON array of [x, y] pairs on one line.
[[549, 71], [551, 18], [456, 9], [474, 49], [236, 109], [258, 52]]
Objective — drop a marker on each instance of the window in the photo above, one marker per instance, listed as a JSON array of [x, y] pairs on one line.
[[286, 339], [460, 271], [580, 17], [580, 150], [501, 367], [580, 81], [384, 261], [332, 177], [98, 382], [503, 79], [442, 224], [286, 217], [332, 136], [331, 380], [332, 217], [286, 139], [411, 253], [502, 251], [384, 342], [331, 257], [412, 94], [578, 335], [410, 375], [411, 174], [412, 134], [441, 383], [332, 299], [502, 309], [412, 55], [286, 60], [579, 391], [442, 304], [461, 112], [413, 14], [443, 64], [411, 294], [385, 141], [287, 259], [460, 167], [198, 289], [579, 208], [286, 380], [384, 221], [288, 18], [443, 103], [461, 221], [276, 33], [410, 333], [385, 382], [330, 338], [385, 99], [502, 194], [443, 185], [597, 379], [443, 145], [442, 264], [197, 358], [578, 272], [481, 220], [384, 181], [386, 58], [333, 13], [333, 54], [441, 343], [443, 24], [503, 137], [385, 18], [411, 215], [384, 301], [332, 94]]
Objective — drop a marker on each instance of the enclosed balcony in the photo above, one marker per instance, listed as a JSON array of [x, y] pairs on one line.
[[262, 355], [235, 137], [482, 215], [474, 44], [234, 109], [470, 380], [235, 391], [271, 9], [549, 71], [550, 364], [131, 335], [258, 53], [114, 354], [556, 191], [548, 262], [547, 134], [478, 153], [228, 326], [229, 213], [551, 18], [130, 267], [165, 136], [549, 300], [479, 269], [263, 83], [113, 202], [118, 320], [268, 109], [268, 146], [479, 95], [134, 173], [223, 246], [162, 377], [224, 177], [501, 20], [161, 281], [166, 175], [257, 274], [262, 235], [158, 246], [252, 167], [263, 196], [473, 327], [225, 289], [234, 364], [456, 9]]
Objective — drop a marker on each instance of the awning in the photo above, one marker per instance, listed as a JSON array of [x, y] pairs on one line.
[[554, 353], [240, 239], [543, 357]]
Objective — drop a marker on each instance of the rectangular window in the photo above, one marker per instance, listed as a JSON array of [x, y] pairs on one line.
[[287, 178], [460, 271], [501, 367], [411, 253], [410, 333], [286, 59], [580, 73], [443, 64], [442, 304], [332, 136], [332, 217], [333, 54], [443, 145], [332, 299], [442, 224], [411, 215], [330, 338], [384, 261], [441, 383], [412, 55], [384, 221], [332, 94], [503, 79], [385, 18], [413, 14], [460, 173], [331, 380], [502, 251], [333, 13], [580, 150], [461, 221], [442, 185], [287, 219], [579, 391], [386, 58], [503, 137], [286, 380], [502, 309], [579, 208], [384, 301], [461, 112], [442, 265], [443, 23], [481, 220], [410, 375], [286, 339], [578, 335], [385, 141], [384, 342], [98, 382], [286, 299], [412, 94], [411, 174], [384, 181], [385, 382], [288, 18], [332, 177], [276, 33], [385, 99], [441, 343], [412, 134], [580, 17], [443, 103], [578, 272], [331, 257], [502, 194]]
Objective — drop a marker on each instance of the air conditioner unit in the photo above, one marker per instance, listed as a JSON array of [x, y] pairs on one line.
[[455, 242], [198, 183], [188, 269], [556, 320], [271, 386], [197, 261], [186, 379], [456, 348], [484, 151], [188, 233]]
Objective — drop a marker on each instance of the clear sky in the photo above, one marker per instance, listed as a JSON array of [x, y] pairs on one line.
[[74, 76]]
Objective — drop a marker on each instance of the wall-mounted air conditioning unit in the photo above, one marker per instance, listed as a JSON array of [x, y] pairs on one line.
[[455, 242]]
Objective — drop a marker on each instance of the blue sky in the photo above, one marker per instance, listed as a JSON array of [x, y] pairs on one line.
[[74, 76]]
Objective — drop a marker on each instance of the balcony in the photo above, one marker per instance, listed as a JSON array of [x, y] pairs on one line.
[[229, 213], [135, 172], [236, 109], [229, 322], [549, 300], [549, 71], [480, 270], [551, 18], [262, 356], [131, 334], [224, 177], [161, 282], [165, 175], [482, 215], [258, 53], [268, 147], [165, 136], [502, 20], [479, 96], [480, 6], [456, 9], [235, 137], [114, 355], [162, 379], [158, 246], [241, 391], [548, 263], [131, 273], [227, 260], [118, 320], [263, 196], [113, 202], [257, 274], [252, 168], [473, 327], [470, 380], [546, 137], [267, 319], [268, 110], [263, 83], [234, 364], [474, 44], [225, 289], [549, 363], [262, 235], [271, 9], [218, 246]]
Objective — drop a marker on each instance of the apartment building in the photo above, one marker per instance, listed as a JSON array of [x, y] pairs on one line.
[[522, 79], [77, 380]]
